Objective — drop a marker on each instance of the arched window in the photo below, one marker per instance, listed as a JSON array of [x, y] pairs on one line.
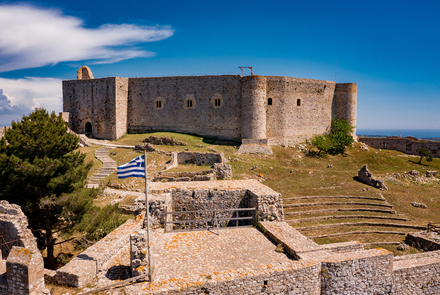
[[269, 101], [88, 127], [298, 102]]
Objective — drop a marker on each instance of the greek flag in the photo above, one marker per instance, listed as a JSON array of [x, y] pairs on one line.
[[134, 168]]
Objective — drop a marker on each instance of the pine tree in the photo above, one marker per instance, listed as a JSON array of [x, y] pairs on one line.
[[38, 166]]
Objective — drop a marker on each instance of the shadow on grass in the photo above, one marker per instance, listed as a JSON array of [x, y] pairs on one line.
[[315, 154], [214, 141], [417, 163]]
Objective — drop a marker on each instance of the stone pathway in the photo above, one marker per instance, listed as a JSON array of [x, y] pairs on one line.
[[109, 165]]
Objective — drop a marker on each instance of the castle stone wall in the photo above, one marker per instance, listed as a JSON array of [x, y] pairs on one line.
[[99, 102], [253, 114], [300, 108], [203, 118], [344, 103], [252, 109]]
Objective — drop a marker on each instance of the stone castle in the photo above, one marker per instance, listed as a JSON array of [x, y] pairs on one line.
[[249, 109]]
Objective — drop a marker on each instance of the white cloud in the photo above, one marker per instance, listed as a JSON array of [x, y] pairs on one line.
[[19, 97], [34, 37]]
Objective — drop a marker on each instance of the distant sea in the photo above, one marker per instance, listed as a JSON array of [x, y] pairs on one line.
[[420, 133]]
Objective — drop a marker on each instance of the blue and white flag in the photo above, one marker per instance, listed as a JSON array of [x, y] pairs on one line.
[[134, 168]]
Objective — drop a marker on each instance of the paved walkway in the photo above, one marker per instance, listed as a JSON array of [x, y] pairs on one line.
[[106, 143]]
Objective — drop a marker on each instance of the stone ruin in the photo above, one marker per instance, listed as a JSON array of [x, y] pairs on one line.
[[365, 176], [304, 268], [24, 266], [219, 171], [163, 140], [83, 73]]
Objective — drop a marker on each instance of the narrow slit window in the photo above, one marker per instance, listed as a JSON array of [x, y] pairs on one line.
[[189, 103], [218, 102], [269, 101], [298, 102], [158, 104]]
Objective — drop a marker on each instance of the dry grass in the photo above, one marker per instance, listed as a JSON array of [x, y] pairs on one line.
[[90, 157], [293, 174]]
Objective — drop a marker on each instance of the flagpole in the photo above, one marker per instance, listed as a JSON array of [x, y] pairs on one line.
[[147, 216]]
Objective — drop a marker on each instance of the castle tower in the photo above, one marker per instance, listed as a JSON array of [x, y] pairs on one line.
[[253, 115], [344, 103]]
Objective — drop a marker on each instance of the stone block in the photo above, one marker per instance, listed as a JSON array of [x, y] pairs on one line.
[[25, 271]]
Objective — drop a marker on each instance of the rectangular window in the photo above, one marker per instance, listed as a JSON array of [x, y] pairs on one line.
[[158, 104], [217, 102]]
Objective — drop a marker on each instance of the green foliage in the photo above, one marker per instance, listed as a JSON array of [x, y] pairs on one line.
[[336, 141], [322, 142], [98, 222], [39, 168], [424, 153]]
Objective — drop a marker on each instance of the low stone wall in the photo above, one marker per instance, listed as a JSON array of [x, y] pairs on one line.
[[82, 269], [206, 175], [292, 240], [344, 247], [196, 158], [199, 159], [361, 272], [417, 274], [407, 144], [302, 279], [220, 170], [13, 224]]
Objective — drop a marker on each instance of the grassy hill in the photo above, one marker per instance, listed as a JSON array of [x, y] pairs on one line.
[[338, 199]]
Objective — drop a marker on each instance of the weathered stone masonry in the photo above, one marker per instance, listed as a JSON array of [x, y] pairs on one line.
[[250, 109], [407, 144]]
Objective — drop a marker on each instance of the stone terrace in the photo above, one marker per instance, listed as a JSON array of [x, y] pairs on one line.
[[202, 253]]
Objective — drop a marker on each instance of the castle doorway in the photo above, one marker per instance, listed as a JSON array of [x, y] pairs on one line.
[[88, 127]]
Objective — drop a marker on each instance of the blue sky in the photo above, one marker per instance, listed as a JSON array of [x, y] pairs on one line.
[[389, 48]]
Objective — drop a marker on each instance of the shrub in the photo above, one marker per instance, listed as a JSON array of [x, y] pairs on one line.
[[336, 141], [99, 222]]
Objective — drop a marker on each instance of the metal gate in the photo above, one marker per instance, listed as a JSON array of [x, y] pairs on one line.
[[209, 219], [3, 242]]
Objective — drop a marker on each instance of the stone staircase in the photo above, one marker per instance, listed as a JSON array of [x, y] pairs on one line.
[[109, 165]]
